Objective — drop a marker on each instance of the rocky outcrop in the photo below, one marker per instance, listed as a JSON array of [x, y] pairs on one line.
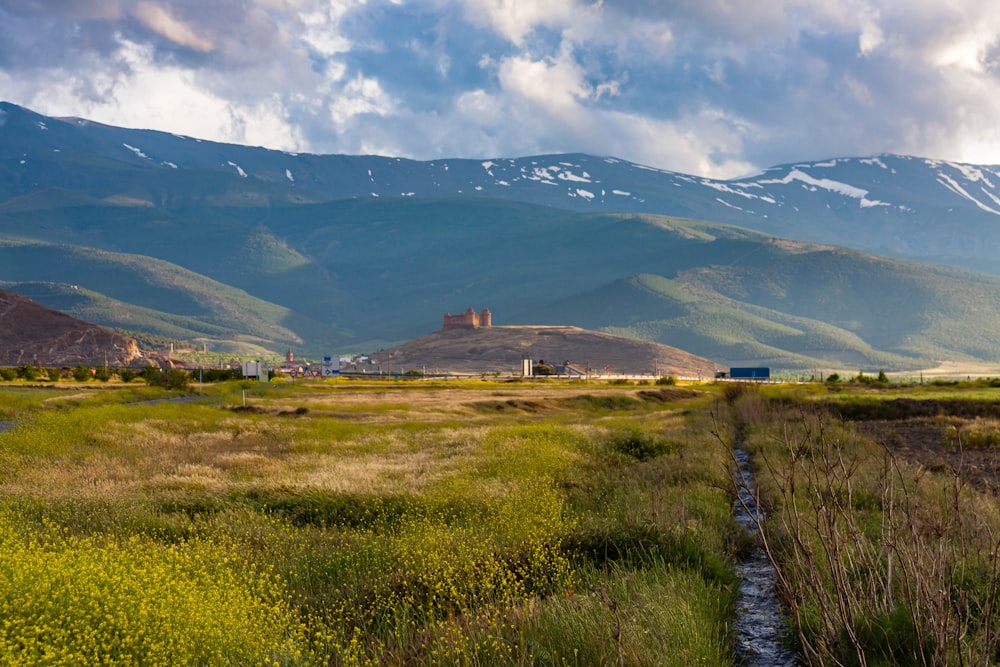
[[36, 335]]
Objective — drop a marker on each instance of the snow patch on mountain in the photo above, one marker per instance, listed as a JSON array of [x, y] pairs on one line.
[[826, 184], [238, 168], [874, 161], [137, 151], [288, 175], [542, 174], [970, 172], [570, 176], [722, 187], [950, 183], [996, 200]]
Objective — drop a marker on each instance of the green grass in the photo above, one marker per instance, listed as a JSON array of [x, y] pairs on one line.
[[381, 523]]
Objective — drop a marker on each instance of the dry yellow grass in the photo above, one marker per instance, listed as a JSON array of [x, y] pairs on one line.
[[355, 438]]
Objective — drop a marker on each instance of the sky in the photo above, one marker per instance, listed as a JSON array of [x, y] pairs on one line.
[[717, 88]]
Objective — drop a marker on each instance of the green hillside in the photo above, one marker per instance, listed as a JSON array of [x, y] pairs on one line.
[[146, 294], [687, 316], [894, 305], [358, 275]]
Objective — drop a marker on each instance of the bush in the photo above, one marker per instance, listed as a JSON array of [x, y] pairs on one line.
[[174, 378], [220, 374], [833, 378], [127, 374], [103, 373], [8, 374], [27, 373], [53, 374], [668, 380], [82, 374], [638, 444]]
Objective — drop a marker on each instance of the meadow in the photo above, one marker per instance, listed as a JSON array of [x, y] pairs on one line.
[[364, 523], [491, 523]]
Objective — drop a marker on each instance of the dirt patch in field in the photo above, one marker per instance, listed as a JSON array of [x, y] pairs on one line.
[[932, 443]]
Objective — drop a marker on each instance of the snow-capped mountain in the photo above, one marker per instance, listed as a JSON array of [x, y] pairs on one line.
[[904, 206], [233, 245]]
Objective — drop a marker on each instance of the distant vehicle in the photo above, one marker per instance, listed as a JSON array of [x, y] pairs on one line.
[[760, 373]]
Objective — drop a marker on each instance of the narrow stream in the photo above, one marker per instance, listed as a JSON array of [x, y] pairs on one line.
[[759, 626]]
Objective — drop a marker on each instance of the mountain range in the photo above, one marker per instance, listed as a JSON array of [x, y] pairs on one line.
[[883, 262]]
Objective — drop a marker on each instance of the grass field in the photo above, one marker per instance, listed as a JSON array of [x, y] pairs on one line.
[[491, 523], [364, 523]]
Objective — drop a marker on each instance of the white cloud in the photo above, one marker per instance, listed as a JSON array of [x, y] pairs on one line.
[[480, 107], [516, 19], [554, 85], [321, 28], [360, 95], [711, 86], [704, 141], [871, 36], [160, 20]]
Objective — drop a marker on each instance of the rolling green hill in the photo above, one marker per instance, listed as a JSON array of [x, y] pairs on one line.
[[358, 275], [145, 294]]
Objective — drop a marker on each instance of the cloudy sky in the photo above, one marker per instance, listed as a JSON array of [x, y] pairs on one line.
[[712, 87]]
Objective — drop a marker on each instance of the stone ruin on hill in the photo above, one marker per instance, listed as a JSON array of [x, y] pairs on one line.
[[470, 319]]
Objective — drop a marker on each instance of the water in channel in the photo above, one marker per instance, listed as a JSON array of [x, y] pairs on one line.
[[759, 628]]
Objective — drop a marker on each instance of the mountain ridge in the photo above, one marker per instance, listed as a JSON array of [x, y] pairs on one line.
[[912, 207], [223, 243]]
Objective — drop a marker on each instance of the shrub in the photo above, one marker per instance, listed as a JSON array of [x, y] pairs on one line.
[[27, 373], [174, 378], [833, 378], [220, 374], [53, 374], [8, 374], [82, 374], [103, 373], [668, 380], [638, 444], [127, 374]]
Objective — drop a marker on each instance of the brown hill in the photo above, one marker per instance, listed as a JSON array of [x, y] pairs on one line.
[[491, 349], [36, 335]]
